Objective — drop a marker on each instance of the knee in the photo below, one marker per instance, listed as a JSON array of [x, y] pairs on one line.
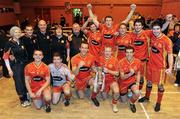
[[142, 80], [161, 88], [67, 92], [137, 94], [47, 97], [149, 84], [116, 95], [38, 107], [55, 101], [80, 95], [123, 97]]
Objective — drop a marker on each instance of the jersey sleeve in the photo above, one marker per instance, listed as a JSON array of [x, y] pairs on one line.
[[68, 73], [120, 64], [47, 71], [26, 71], [7, 51], [74, 62], [149, 33], [101, 26], [168, 45], [116, 67]]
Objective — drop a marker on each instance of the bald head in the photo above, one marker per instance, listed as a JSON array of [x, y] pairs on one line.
[[42, 25], [76, 28]]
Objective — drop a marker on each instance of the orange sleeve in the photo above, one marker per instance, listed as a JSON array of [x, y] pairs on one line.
[[101, 26], [74, 62], [116, 65], [88, 33], [47, 72], [121, 66], [6, 55], [93, 60], [149, 33], [168, 45], [139, 65], [26, 72]]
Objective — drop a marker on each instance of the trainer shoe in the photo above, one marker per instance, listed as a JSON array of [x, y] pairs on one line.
[[143, 99], [132, 107], [157, 108], [176, 84], [23, 104], [48, 108], [66, 102], [27, 103], [95, 101], [115, 108]]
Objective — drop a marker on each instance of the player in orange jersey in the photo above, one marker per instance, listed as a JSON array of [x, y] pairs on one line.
[[82, 65], [109, 64], [129, 77], [109, 30], [161, 47], [37, 79], [94, 37], [122, 41], [140, 40]]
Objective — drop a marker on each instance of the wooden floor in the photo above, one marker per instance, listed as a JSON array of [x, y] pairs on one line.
[[84, 109]]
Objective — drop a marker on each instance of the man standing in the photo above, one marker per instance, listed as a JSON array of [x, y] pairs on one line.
[[44, 40], [75, 39], [30, 42], [108, 29], [161, 47]]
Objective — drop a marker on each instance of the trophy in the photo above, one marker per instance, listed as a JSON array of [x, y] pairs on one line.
[[99, 81]]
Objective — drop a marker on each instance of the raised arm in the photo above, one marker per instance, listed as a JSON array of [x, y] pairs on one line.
[[168, 20], [133, 8], [83, 28], [89, 6]]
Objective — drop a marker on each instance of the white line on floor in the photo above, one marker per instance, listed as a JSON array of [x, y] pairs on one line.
[[146, 113], [166, 92]]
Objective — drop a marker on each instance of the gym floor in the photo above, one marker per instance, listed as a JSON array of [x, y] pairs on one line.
[[84, 109]]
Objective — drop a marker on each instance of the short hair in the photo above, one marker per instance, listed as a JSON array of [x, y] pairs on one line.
[[29, 25], [108, 46], [130, 48], [38, 50], [84, 42], [56, 54], [124, 24], [138, 21], [156, 23], [58, 27], [91, 23], [12, 30], [108, 17], [41, 21]]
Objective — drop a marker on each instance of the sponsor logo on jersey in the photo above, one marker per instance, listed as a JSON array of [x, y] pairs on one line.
[[138, 43], [155, 50], [37, 78], [94, 42], [121, 47]]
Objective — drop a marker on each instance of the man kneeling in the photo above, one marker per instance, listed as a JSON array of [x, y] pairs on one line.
[[37, 79], [60, 77], [129, 77]]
